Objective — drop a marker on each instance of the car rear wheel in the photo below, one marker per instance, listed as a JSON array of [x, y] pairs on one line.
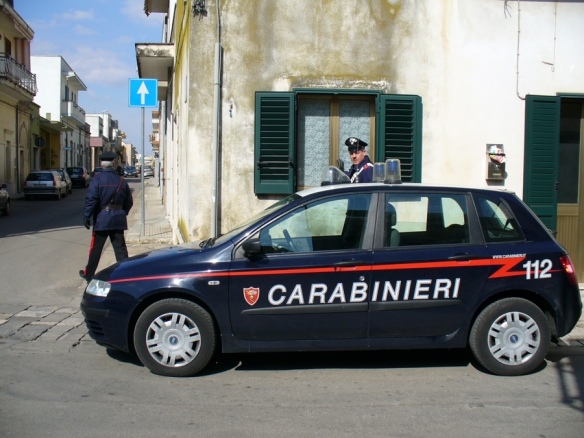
[[6, 209], [58, 195], [510, 337], [175, 337]]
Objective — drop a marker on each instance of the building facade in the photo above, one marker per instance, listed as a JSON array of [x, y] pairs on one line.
[[58, 96], [262, 95], [18, 87]]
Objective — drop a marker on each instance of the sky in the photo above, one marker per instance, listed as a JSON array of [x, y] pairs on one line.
[[97, 39]]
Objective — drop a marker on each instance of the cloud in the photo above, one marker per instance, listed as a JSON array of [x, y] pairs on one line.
[[78, 15], [126, 39], [134, 10], [82, 30], [101, 67]]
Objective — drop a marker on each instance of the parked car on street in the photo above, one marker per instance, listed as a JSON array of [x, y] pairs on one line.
[[96, 171], [65, 177], [79, 176], [4, 200], [148, 171], [44, 183], [130, 171], [373, 266]]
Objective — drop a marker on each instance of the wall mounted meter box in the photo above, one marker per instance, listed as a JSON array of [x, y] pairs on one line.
[[495, 162]]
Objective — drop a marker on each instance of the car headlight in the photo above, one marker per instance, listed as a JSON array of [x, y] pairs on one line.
[[98, 288]]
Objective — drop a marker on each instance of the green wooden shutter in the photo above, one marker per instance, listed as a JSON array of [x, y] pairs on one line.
[[542, 133], [274, 144], [400, 133]]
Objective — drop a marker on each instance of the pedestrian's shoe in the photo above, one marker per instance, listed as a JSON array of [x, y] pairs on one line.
[[82, 275]]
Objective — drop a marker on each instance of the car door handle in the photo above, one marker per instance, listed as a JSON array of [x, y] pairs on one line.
[[463, 257], [350, 263]]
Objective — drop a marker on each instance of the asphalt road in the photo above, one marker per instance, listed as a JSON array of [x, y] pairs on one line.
[[55, 382]]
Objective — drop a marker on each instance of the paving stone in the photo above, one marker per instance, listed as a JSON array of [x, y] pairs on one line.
[[55, 317], [29, 332], [72, 322], [68, 310], [12, 326], [6, 315], [54, 333], [2, 321], [74, 335], [12, 309], [36, 312]]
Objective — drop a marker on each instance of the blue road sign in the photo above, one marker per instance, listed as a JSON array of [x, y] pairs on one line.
[[143, 92]]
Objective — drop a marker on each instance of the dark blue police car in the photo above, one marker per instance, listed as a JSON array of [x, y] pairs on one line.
[[349, 267]]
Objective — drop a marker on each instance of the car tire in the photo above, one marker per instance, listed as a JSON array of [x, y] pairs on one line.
[[175, 338], [58, 195], [510, 337], [27, 197], [6, 209]]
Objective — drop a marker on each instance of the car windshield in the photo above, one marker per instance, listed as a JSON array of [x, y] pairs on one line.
[[256, 217], [40, 177]]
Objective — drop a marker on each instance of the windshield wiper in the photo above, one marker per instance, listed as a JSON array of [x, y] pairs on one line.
[[208, 243]]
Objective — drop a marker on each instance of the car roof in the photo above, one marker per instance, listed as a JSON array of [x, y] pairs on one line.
[[406, 186]]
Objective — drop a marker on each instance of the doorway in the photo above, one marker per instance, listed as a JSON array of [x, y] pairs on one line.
[[571, 182]]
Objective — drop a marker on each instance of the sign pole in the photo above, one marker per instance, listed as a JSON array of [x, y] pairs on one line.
[[143, 93], [143, 234]]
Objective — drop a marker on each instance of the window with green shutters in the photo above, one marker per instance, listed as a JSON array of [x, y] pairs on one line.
[[280, 163]]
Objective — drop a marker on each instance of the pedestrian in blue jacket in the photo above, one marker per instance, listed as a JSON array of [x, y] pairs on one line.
[[108, 201]]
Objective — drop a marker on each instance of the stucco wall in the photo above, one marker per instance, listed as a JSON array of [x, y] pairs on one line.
[[458, 55]]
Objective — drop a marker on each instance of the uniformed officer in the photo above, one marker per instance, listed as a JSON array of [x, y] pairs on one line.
[[361, 170], [108, 201]]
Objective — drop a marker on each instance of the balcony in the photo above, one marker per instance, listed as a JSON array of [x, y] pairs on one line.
[[17, 77], [73, 112]]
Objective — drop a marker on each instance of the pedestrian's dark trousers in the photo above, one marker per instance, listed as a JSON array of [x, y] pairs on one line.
[[98, 239]]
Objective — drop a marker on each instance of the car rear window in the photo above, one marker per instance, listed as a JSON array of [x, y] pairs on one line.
[[39, 177], [74, 170]]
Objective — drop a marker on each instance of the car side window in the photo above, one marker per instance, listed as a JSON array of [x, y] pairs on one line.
[[425, 219], [330, 224], [497, 221]]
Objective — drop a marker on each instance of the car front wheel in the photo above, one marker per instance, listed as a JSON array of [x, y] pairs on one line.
[[510, 337], [175, 337]]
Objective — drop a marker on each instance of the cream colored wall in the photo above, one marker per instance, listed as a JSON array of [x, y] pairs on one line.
[[7, 136], [459, 56]]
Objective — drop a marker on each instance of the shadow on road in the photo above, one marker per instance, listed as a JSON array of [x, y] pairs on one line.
[[338, 360]]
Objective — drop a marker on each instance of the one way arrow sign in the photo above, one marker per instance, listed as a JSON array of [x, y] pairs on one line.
[[143, 93]]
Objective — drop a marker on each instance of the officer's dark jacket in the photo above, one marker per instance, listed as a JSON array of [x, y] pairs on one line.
[[101, 190], [366, 175]]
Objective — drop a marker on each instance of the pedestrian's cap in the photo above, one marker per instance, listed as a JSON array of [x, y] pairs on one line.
[[355, 144], [108, 156]]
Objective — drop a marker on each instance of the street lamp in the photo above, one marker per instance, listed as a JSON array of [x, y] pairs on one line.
[[69, 75]]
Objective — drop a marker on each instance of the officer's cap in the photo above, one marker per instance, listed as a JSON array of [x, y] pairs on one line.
[[354, 143], [108, 156]]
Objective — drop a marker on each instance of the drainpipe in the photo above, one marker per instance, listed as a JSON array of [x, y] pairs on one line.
[[216, 118], [17, 138]]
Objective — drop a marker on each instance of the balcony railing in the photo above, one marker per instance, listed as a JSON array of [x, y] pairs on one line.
[[17, 73], [71, 109]]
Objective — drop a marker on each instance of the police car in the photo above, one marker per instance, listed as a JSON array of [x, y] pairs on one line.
[[349, 267]]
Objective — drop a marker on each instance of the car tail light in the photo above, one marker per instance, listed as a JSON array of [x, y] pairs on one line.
[[54, 182], [569, 268]]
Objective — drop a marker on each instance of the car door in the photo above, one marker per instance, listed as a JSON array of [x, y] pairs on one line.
[[430, 264], [311, 279]]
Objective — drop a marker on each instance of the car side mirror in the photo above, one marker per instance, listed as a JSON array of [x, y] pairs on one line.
[[252, 248]]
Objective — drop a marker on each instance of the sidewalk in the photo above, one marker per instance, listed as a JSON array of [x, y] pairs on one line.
[[157, 229]]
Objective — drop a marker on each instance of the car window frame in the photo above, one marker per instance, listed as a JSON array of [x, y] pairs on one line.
[[474, 229], [368, 236]]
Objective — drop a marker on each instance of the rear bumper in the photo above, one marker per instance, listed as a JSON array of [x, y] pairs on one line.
[[41, 191]]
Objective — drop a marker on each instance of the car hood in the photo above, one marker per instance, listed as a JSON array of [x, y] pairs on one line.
[[175, 260]]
